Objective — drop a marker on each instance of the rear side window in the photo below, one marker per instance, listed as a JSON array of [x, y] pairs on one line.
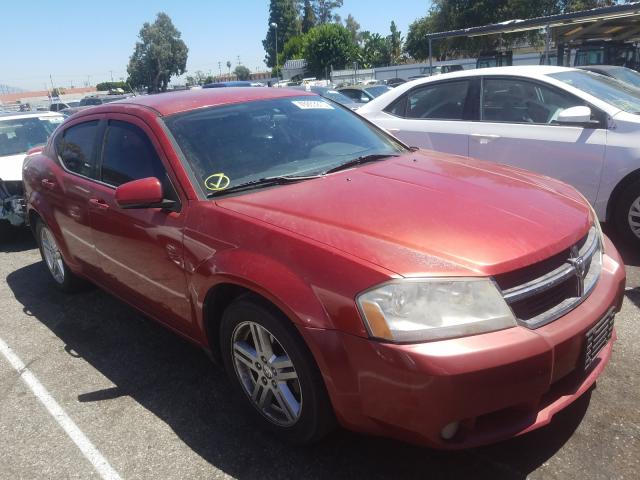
[[444, 101], [76, 149], [129, 155]]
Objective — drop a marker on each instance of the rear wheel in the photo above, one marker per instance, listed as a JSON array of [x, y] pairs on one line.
[[627, 214], [62, 276], [274, 372]]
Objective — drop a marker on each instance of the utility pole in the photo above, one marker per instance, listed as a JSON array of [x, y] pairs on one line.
[[220, 70], [111, 72], [275, 26]]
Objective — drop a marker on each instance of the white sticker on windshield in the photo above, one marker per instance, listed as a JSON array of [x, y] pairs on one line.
[[52, 119], [311, 104]]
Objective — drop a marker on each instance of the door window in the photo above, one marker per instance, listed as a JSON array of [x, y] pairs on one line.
[[129, 155], [76, 148], [518, 101], [444, 101]]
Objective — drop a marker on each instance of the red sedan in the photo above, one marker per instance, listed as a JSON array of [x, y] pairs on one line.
[[339, 276]]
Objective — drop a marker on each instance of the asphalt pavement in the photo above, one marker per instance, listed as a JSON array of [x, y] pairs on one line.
[[153, 406]]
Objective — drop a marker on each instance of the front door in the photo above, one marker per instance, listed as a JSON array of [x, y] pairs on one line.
[[517, 127], [140, 251]]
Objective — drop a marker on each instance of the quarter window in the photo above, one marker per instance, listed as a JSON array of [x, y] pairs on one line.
[[76, 148], [444, 101], [129, 155], [518, 101]]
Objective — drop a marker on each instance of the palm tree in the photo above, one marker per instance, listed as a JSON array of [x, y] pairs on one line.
[[229, 67]]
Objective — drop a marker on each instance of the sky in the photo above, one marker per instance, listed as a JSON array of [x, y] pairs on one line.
[[76, 42]]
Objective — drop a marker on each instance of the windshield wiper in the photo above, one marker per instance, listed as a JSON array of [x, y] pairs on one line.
[[259, 183], [359, 161]]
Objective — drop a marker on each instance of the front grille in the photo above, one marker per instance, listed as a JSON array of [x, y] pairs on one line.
[[597, 338], [540, 293]]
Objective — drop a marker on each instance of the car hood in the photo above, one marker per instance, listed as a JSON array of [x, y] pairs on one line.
[[428, 213], [11, 167]]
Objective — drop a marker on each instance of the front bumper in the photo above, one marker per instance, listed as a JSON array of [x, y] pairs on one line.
[[497, 385]]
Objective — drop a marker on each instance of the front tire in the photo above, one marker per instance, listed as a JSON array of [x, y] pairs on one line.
[[274, 372], [62, 276], [627, 214]]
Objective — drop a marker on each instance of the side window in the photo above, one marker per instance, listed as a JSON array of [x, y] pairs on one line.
[[129, 155], [76, 148], [519, 101], [443, 101], [397, 107]]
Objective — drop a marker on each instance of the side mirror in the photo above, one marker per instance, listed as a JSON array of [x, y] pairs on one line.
[[143, 193], [575, 115]]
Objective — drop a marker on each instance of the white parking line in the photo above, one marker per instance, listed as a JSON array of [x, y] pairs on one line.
[[87, 448]]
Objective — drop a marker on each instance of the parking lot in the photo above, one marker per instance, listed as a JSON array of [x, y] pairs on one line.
[[155, 407]]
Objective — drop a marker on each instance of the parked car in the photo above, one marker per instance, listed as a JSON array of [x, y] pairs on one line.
[[234, 83], [56, 107], [364, 93], [99, 100], [19, 133], [331, 94], [623, 74], [394, 82], [335, 273], [566, 123]]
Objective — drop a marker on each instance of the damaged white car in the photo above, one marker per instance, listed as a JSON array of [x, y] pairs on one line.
[[19, 133]]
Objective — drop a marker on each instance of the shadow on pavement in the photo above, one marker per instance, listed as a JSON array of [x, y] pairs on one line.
[[630, 254], [178, 384], [16, 240]]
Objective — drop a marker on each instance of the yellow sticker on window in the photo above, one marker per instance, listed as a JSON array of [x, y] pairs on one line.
[[217, 181]]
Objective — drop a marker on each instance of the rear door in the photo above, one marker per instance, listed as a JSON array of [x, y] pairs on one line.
[[68, 192], [140, 250], [517, 127], [434, 116]]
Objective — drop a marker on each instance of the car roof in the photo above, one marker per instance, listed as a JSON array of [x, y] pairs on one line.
[[14, 115], [170, 103], [604, 68]]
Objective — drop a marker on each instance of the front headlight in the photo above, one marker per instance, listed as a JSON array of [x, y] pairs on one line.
[[418, 310]]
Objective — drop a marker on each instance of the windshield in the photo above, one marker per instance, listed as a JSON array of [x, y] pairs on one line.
[[90, 101], [627, 75], [378, 90], [607, 89], [18, 135], [294, 136]]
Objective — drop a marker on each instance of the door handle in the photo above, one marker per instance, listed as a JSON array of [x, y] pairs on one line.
[[99, 203], [485, 138], [48, 183]]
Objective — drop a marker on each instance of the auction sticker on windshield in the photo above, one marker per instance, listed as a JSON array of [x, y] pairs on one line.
[[217, 181], [311, 104]]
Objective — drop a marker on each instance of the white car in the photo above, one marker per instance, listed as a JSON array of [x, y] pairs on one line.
[[566, 123], [19, 133]]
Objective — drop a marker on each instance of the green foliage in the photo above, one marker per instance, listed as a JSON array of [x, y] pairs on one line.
[[285, 14], [242, 72], [198, 78], [457, 14], [324, 10], [328, 45], [375, 51], [395, 44], [159, 54], [353, 27], [106, 86], [308, 17], [293, 49]]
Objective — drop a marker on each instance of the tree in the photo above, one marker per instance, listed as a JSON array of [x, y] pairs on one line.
[[324, 10], [395, 44], [159, 54], [375, 51], [229, 66], [326, 46], [308, 17], [284, 13], [106, 86], [457, 14], [293, 49], [242, 72], [353, 27], [198, 78]]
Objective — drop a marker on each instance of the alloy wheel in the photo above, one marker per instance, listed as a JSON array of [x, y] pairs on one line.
[[266, 373], [634, 217], [52, 256]]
